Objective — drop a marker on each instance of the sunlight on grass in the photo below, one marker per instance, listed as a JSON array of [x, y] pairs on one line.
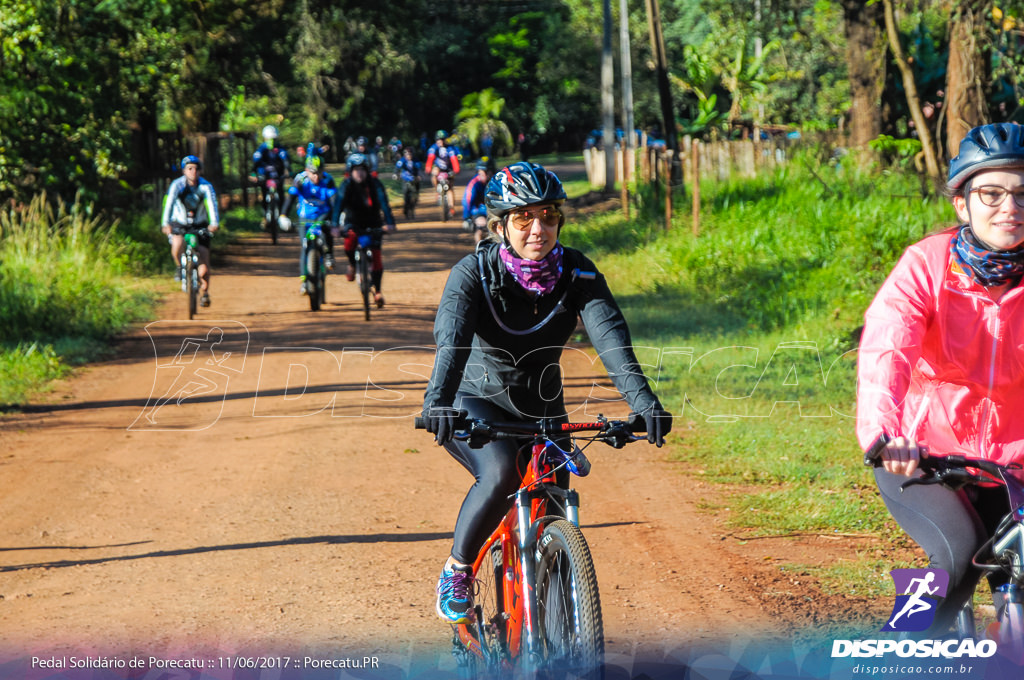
[[752, 330]]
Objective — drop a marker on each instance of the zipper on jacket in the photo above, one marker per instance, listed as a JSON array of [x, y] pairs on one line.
[[986, 431]]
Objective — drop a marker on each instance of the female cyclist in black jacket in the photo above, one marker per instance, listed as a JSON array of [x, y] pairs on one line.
[[505, 315]]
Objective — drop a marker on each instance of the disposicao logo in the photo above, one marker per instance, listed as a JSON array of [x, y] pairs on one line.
[[918, 593]]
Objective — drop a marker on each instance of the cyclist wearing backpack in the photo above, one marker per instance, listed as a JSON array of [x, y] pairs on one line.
[[505, 314], [190, 205], [940, 367], [362, 200]]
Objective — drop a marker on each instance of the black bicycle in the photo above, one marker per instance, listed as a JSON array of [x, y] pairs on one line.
[[271, 206], [364, 261], [313, 262]]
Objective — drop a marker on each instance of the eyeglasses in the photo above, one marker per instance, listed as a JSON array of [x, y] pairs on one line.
[[523, 219], [993, 196]]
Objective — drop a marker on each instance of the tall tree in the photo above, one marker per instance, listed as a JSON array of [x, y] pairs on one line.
[[913, 101], [865, 61], [967, 73]]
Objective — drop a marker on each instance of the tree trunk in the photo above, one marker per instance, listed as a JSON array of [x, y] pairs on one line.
[[966, 74], [865, 60], [931, 161]]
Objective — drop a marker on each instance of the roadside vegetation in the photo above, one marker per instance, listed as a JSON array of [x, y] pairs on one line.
[[753, 328], [71, 280]]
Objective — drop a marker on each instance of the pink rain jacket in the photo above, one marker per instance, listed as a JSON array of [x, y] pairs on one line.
[[941, 362]]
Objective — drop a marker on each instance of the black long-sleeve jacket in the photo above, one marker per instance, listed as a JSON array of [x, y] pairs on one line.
[[520, 372]]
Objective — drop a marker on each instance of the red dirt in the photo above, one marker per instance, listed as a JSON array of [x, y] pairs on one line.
[[262, 518]]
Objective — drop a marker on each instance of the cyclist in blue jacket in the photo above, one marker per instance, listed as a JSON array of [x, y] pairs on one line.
[[314, 191], [473, 202], [270, 161]]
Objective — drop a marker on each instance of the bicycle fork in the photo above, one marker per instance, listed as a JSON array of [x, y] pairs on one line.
[[528, 554]]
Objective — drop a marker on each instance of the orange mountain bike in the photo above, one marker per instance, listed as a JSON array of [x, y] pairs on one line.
[[537, 603]]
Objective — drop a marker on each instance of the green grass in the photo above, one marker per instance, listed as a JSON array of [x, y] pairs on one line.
[[754, 327], [67, 281]]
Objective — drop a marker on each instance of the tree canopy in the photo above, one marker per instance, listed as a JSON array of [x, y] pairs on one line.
[[83, 80]]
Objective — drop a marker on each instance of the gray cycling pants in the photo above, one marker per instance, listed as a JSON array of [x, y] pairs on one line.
[[950, 526]]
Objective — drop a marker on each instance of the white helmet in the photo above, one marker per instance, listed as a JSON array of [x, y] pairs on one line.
[[270, 132]]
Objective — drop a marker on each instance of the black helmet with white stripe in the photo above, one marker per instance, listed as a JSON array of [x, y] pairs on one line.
[[522, 184]]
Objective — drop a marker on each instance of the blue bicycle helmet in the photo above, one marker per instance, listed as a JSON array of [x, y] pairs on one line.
[[191, 160], [357, 159], [986, 147], [522, 184]]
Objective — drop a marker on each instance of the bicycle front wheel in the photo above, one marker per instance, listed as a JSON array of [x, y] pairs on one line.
[[363, 274], [313, 280], [192, 285], [571, 628], [273, 212]]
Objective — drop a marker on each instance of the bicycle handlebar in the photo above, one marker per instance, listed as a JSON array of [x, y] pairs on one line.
[[951, 469], [616, 433], [180, 229]]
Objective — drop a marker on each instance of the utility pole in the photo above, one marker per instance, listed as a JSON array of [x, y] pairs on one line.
[[661, 66], [608, 100], [626, 67]]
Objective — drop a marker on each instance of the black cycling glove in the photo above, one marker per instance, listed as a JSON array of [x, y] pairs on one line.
[[441, 422], [655, 420]]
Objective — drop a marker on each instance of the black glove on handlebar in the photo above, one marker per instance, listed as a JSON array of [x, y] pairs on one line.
[[655, 420], [441, 422]]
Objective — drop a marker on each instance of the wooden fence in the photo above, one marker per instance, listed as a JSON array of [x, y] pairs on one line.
[[717, 160]]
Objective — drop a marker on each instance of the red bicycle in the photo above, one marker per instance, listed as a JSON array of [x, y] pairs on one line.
[[537, 602]]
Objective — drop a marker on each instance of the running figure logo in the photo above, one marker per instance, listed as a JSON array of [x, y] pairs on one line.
[[194, 366], [918, 594]]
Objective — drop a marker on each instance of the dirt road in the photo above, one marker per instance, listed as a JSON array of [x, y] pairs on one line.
[[250, 482]]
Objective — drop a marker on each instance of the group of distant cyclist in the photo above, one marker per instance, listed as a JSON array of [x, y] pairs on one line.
[[359, 205], [941, 368]]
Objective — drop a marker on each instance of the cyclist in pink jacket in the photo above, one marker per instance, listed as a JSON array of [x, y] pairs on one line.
[[941, 366]]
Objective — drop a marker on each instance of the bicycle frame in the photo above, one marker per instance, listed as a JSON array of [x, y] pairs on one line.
[[514, 635]]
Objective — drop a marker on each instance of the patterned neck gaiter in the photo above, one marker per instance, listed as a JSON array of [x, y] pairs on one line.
[[988, 267], [538, 276]]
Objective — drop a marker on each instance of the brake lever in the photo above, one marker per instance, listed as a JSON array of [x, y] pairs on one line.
[[952, 478]]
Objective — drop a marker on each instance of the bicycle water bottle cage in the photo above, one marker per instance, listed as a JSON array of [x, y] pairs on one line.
[[364, 240]]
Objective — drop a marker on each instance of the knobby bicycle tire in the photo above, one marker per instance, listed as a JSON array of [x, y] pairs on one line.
[[272, 213], [363, 274], [192, 285], [313, 278], [569, 604], [409, 204], [445, 208]]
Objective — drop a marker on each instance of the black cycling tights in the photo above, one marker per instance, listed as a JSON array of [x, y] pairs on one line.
[[497, 468], [949, 526]]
